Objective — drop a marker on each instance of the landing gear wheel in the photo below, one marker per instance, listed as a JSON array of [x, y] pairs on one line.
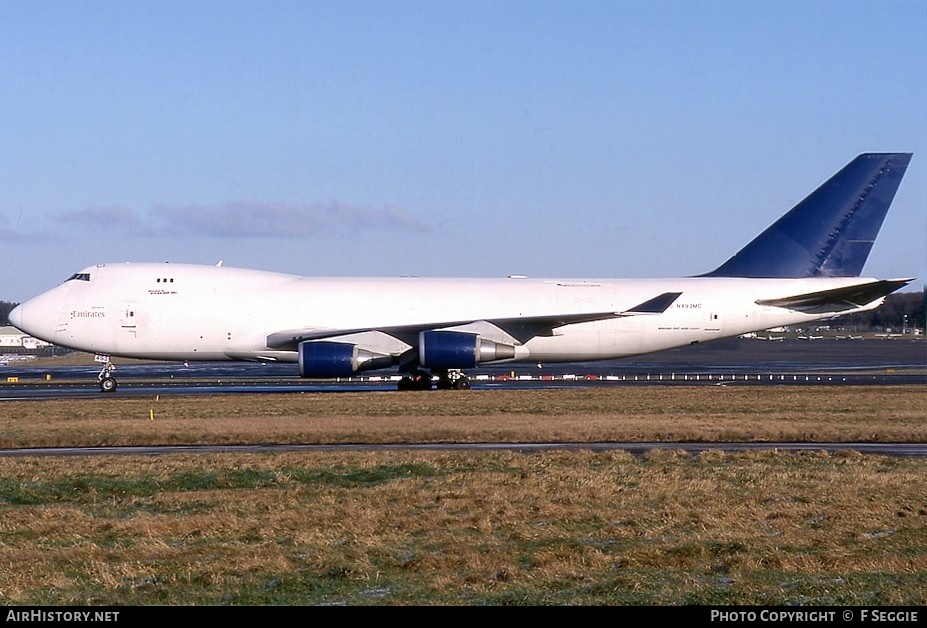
[[452, 379], [417, 380], [106, 379]]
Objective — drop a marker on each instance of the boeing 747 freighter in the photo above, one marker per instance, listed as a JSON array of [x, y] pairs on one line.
[[804, 267]]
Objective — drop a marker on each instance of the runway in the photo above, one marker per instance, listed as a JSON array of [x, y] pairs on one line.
[[825, 362], [905, 450]]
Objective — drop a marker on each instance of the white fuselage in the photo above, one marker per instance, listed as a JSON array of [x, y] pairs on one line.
[[189, 312]]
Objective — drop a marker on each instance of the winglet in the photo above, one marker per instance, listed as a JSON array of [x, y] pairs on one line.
[[829, 233]]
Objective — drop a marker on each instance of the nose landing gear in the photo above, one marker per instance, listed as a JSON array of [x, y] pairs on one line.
[[106, 379]]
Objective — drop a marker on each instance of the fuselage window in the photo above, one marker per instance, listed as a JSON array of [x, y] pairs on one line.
[[79, 277]]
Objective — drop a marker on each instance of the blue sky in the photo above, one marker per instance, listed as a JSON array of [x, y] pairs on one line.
[[458, 138]]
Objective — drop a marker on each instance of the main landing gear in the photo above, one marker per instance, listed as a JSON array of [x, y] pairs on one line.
[[447, 380], [106, 379]]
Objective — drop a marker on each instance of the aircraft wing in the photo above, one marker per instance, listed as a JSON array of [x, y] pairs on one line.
[[838, 299], [521, 327]]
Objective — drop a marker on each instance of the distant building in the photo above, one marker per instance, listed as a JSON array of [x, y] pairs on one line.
[[13, 339]]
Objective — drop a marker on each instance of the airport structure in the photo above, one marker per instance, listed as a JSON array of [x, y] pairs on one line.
[[11, 339]]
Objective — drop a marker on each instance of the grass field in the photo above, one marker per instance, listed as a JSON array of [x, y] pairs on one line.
[[399, 527]]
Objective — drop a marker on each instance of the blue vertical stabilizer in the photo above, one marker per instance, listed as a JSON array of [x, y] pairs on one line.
[[830, 233]]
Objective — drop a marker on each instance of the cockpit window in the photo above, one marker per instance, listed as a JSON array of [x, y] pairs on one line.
[[79, 277]]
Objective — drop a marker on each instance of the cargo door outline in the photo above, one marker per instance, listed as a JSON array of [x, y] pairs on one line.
[[128, 319]]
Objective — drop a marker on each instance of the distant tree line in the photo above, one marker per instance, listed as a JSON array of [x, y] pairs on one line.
[[899, 309], [5, 309], [890, 316]]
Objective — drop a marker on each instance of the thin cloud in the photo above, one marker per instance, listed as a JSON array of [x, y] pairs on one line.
[[239, 219], [279, 220], [109, 217], [13, 235]]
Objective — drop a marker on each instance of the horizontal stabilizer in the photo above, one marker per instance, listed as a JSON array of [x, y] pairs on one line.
[[839, 299]]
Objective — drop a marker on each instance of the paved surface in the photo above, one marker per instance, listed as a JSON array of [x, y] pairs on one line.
[[728, 362], [910, 450]]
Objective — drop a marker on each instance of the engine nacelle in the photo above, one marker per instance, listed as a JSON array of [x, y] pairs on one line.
[[326, 359], [459, 350]]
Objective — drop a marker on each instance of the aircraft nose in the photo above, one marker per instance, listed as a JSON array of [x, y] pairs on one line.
[[16, 317], [38, 316]]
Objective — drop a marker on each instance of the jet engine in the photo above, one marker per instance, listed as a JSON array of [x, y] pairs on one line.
[[325, 359], [459, 349]]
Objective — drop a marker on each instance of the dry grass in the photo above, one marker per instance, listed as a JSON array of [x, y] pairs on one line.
[[559, 527], [672, 414], [435, 528]]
